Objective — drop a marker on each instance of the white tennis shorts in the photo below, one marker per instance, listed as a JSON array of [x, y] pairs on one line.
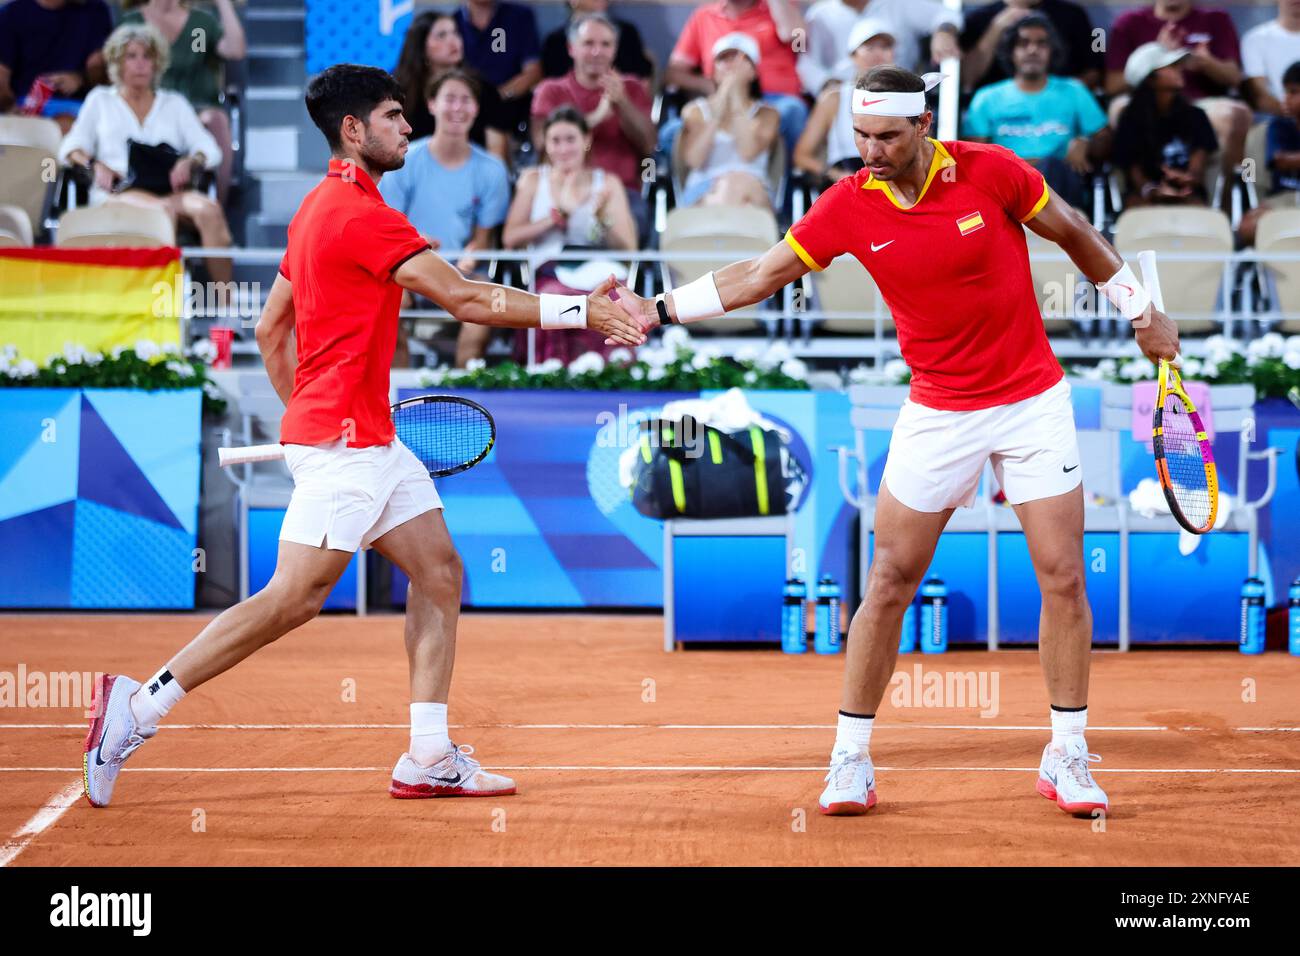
[[347, 497], [936, 457]]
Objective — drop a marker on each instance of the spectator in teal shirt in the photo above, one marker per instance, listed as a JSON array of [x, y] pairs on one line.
[[1053, 122]]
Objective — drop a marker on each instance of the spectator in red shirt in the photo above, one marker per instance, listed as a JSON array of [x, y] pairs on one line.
[[775, 26], [1212, 68], [615, 106]]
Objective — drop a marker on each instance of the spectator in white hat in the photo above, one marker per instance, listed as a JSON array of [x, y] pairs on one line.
[[727, 137], [1163, 141], [827, 148], [830, 21]]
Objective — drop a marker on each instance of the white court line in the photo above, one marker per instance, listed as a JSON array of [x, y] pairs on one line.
[[54, 808], [673, 768], [1037, 728]]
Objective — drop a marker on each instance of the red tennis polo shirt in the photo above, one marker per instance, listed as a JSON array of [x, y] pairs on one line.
[[953, 269], [344, 244]]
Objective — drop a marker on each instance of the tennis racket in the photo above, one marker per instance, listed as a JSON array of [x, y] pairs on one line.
[[447, 433], [1184, 459]]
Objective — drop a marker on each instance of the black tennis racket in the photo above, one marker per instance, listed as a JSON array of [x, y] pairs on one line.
[[449, 434]]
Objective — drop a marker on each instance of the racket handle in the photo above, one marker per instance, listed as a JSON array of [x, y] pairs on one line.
[[1150, 278], [244, 454]]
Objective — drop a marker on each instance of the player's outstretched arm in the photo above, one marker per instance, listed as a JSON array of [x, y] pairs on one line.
[[1058, 221], [274, 334], [731, 287], [486, 303]]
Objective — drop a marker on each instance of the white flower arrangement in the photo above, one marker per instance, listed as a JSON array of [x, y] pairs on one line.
[[587, 362]]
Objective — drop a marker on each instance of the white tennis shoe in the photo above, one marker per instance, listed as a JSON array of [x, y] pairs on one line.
[[113, 737], [1063, 776], [455, 775], [851, 783]]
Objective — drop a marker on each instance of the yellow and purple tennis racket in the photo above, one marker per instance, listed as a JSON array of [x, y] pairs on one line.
[[1184, 459]]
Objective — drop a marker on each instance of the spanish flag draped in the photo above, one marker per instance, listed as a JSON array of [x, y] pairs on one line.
[[95, 298]]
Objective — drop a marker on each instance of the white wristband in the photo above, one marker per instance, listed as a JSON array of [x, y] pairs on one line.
[[1126, 293], [698, 300], [564, 311]]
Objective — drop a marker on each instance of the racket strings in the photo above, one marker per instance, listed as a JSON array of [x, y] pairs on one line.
[[1186, 463], [443, 435]]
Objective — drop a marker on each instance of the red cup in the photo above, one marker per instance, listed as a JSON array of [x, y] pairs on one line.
[[37, 97], [221, 337]]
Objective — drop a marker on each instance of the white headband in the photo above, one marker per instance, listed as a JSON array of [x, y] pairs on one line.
[[868, 103]]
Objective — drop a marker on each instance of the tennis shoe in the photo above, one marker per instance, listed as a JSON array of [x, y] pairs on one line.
[[457, 774], [851, 783], [113, 736], [1063, 776]]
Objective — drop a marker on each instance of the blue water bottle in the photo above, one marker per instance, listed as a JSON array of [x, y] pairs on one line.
[[1252, 617], [794, 617], [907, 642], [934, 616], [1293, 618], [826, 634]]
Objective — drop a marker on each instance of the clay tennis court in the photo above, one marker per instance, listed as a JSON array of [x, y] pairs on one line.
[[722, 766]]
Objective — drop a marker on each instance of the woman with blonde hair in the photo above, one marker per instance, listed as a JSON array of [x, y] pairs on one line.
[[200, 44], [131, 115]]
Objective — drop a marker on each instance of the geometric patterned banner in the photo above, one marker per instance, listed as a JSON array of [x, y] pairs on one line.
[[99, 494]]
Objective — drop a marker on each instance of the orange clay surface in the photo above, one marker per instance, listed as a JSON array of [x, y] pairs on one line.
[[625, 755]]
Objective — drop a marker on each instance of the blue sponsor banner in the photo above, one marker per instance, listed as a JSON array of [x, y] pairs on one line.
[[355, 31]]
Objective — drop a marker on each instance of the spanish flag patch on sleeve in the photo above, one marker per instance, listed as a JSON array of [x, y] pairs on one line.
[[970, 222]]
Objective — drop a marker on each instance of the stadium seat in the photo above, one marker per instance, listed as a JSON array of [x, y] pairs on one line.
[[735, 232], [15, 227], [845, 286], [1279, 231], [116, 224], [1256, 153], [1054, 284], [29, 170], [1191, 288]]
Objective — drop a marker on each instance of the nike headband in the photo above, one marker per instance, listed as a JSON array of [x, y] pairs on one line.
[[871, 103]]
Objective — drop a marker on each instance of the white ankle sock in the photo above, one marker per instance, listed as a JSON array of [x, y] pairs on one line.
[[155, 698], [854, 730], [1066, 724], [429, 739]]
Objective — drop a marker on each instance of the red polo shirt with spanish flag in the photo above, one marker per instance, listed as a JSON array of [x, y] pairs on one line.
[[344, 244], [953, 269]]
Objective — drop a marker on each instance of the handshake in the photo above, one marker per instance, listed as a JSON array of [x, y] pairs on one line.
[[622, 316]]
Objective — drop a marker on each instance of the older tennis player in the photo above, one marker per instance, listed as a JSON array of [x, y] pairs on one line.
[[939, 227]]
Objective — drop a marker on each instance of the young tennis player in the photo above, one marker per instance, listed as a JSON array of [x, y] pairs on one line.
[[355, 486], [938, 226]]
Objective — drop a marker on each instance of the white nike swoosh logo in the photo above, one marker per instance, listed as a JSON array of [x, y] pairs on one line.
[[877, 248]]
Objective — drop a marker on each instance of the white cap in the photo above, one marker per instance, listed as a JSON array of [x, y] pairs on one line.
[[743, 42], [1148, 58], [866, 28]]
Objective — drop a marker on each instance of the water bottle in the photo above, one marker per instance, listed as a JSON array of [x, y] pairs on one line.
[[794, 617], [1293, 618], [907, 642], [826, 634], [1252, 617], [934, 616]]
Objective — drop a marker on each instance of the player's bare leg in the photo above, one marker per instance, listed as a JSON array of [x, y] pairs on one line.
[[1054, 533], [904, 546], [125, 718], [433, 765], [905, 541]]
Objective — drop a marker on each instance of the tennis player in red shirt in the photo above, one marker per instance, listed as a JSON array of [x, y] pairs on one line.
[[327, 335], [939, 227]]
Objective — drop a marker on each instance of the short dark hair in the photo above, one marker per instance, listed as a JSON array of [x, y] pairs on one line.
[[460, 76], [888, 78], [1036, 21], [1292, 74], [348, 89]]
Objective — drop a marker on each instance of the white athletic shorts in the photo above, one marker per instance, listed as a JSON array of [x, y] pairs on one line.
[[936, 457], [347, 497]]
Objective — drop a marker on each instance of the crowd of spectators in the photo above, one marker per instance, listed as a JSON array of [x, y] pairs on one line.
[[546, 142]]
